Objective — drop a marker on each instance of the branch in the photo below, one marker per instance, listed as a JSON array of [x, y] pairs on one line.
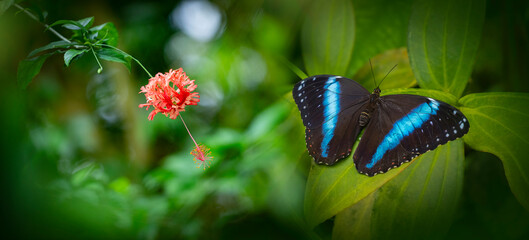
[[45, 25]]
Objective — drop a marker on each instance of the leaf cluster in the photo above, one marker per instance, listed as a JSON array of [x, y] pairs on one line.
[[101, 41]]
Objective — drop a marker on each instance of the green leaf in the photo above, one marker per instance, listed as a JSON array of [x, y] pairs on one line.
[[380, 25], [422, 200], [328, 36], [4, 5], [400, 77], [332, 189], [86, 22], [442, 41], [121, 185], [83, 173], [52, 45], [71, 54], [107, 32], [417, 204], [114, 56], [69, 24], [29, 68], [499, 125], [355, 221]]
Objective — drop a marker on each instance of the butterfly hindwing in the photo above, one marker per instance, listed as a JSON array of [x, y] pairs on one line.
[[330, 107], [403, 127]]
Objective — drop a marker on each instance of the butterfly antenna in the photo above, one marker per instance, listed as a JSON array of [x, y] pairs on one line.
[[388, 74], [373, 73]]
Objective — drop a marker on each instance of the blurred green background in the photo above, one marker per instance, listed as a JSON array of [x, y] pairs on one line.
[[81, 160]]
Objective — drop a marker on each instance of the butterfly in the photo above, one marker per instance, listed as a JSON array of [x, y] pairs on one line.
[[398, 128]]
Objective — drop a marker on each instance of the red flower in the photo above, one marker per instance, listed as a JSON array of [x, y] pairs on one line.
[[169, 93], [201, 156]]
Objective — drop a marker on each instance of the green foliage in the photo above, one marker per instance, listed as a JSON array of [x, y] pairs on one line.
[[4, 5], [332, 189], [402, 76], [71, 54], [114, 55], [29, 68], [101, 40], [499, 126], [52, 46], [421, 199], [380, 26], [443, 39], [327, 37]]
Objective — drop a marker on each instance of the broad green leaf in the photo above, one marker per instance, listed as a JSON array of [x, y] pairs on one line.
[[421, 202], [400, 77], [29, 68], [52, 45], [328, 36], [69, 24], [106, 32], [355, 221], [442, 42], [380, 25], [86, 22], [82, 24], [114, 56], [4, 5], [331, 189], [71, 54], [499, 124], [417, 204]]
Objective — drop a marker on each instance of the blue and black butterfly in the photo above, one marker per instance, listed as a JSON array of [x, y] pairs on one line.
[[398, 128]]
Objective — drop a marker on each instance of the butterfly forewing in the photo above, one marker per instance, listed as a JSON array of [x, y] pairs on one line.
[[403, 127], [330, 107]]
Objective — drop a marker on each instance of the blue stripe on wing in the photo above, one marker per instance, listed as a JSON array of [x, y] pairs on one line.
[[331, 104], [404, 127]]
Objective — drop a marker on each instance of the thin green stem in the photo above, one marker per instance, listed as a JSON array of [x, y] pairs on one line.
[[97, 59], [133, 58], [198, 148], [45, 25]]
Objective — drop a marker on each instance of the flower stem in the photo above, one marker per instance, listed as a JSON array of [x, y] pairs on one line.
[[100, 67], [198, 148], [45, 25], [133, 58]]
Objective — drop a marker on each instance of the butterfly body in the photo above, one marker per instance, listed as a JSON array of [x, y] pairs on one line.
[[398, 128]]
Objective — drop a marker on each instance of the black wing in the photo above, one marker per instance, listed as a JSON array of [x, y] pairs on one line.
[[403, 127], [330, 107]]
